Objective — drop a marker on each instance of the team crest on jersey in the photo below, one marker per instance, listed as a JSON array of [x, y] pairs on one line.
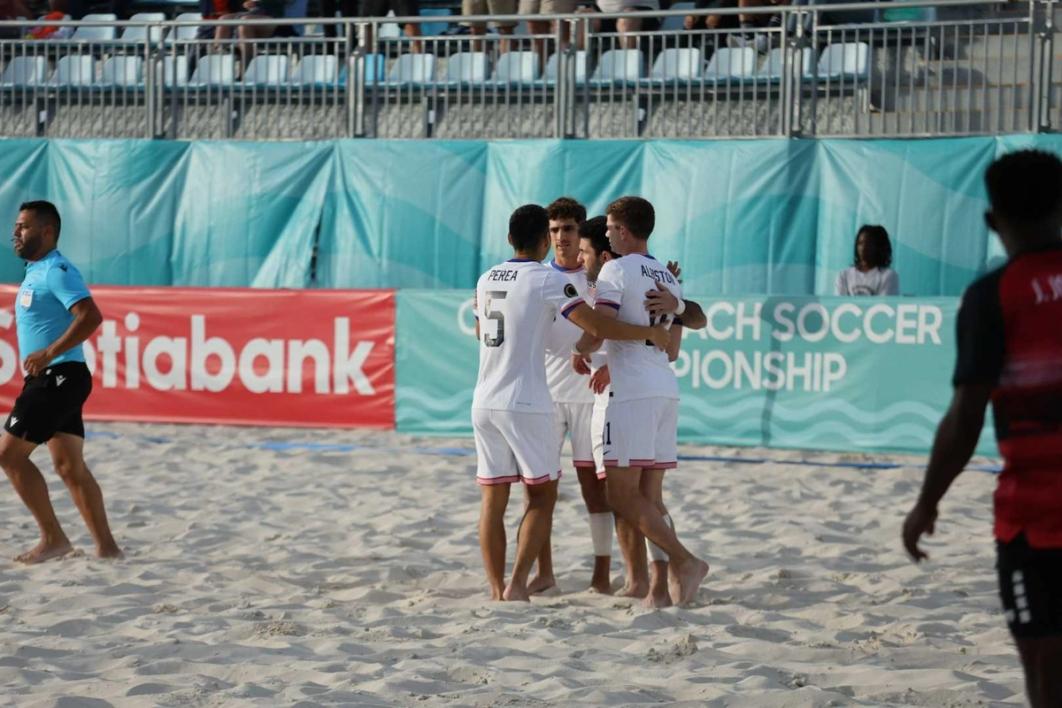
[[26, 298], [570, 291]]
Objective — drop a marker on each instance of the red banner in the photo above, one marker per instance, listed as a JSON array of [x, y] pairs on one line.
[[242, 356]]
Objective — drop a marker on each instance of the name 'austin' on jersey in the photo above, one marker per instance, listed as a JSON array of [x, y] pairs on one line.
[[639, 370]]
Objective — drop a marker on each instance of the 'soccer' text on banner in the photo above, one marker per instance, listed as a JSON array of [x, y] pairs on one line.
[[825, 373], [300, 357]]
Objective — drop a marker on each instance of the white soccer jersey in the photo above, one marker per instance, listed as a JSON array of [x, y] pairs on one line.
[[565, 385], [516, 303], [639, 370]]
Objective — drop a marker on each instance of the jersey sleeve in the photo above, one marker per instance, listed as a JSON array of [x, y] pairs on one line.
[[561, 293], [610, 285], [66, 284], [892, 283], [980, 335], [839, 285]]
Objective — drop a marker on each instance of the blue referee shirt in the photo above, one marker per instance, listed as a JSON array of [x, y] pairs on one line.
[[42, 310]]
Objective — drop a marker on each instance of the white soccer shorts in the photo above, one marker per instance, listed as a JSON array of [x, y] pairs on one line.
[[641, 433], [515, 447], [573, 421], [597, 432]]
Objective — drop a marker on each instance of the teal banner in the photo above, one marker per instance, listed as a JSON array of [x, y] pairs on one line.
[[744, 217], [814, 373]]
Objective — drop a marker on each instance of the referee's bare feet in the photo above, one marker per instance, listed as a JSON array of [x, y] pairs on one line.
[[689, 575], [45, 550], [515, 593], [541, 583], [111, 551]]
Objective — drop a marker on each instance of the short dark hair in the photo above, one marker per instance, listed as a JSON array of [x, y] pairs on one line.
[[45, 211], [528, 226], [566, 208], [635, 213], [1025, 187], [879, 248], [596, 232]]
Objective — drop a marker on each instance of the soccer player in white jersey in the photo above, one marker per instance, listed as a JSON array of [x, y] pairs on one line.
[[595, 251], [573, 402], [642, 417], [512, 412]]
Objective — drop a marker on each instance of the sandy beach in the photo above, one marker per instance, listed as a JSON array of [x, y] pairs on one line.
[[311, 567]]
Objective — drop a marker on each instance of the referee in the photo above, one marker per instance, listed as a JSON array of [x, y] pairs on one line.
[[54, 313]]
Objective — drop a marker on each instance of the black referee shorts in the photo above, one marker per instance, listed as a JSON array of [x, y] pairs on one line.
[[1030, 585], [51, 403]]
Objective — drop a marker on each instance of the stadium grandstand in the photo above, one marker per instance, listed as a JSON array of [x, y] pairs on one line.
[[158, 69]]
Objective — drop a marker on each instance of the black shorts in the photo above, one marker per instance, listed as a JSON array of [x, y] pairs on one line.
[[379, 8], [1030, 585], [51, 403]]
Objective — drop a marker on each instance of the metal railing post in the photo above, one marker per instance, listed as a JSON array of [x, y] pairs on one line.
[[150, 89], [1044, 63], [352, 60], [560, 100]]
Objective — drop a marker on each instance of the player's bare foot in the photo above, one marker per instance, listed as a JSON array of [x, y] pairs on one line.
[[659, 587], [44, 551], [688, 577], [515, 593], [658, 599], [637, 590], [600, 582], [541, 583], [110, 552]]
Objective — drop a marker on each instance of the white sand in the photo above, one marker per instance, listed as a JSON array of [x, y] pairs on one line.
[[258, 576]]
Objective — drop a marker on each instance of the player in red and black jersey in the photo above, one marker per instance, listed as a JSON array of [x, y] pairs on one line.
[[1010, 353]]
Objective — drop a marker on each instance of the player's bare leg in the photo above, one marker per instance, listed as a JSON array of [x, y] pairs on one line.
[[492, 540], [624, 494], [632, 546], [534, 530], [601, 522], [1041, 659], [652, 488], [544, 578], [68, 457], [33, 490]]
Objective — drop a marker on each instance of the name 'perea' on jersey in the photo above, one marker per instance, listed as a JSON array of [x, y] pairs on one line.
[[658, 275], [503, 276]]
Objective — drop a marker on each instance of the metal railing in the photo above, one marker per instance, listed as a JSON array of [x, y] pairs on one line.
[[959, 67]]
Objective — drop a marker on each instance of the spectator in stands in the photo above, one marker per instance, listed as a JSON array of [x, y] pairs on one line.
[[57, 10], [213, 10], [625, 25], [752, 22], [490, 7], [401, 8], [346, 8], [546, 7], [712, 22], [870, 273], [247, 34]]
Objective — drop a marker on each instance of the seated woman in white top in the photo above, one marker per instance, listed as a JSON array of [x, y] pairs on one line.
[[870, 274]]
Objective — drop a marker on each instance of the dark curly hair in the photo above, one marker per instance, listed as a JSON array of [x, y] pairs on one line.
[[879, 249]]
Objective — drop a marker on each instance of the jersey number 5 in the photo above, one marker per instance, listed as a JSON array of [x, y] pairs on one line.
[[496, 315]]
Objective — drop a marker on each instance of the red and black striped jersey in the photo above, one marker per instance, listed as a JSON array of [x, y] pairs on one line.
[[1010, 337]]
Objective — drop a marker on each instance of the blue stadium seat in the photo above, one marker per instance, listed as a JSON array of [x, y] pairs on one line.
[[24, 71]]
